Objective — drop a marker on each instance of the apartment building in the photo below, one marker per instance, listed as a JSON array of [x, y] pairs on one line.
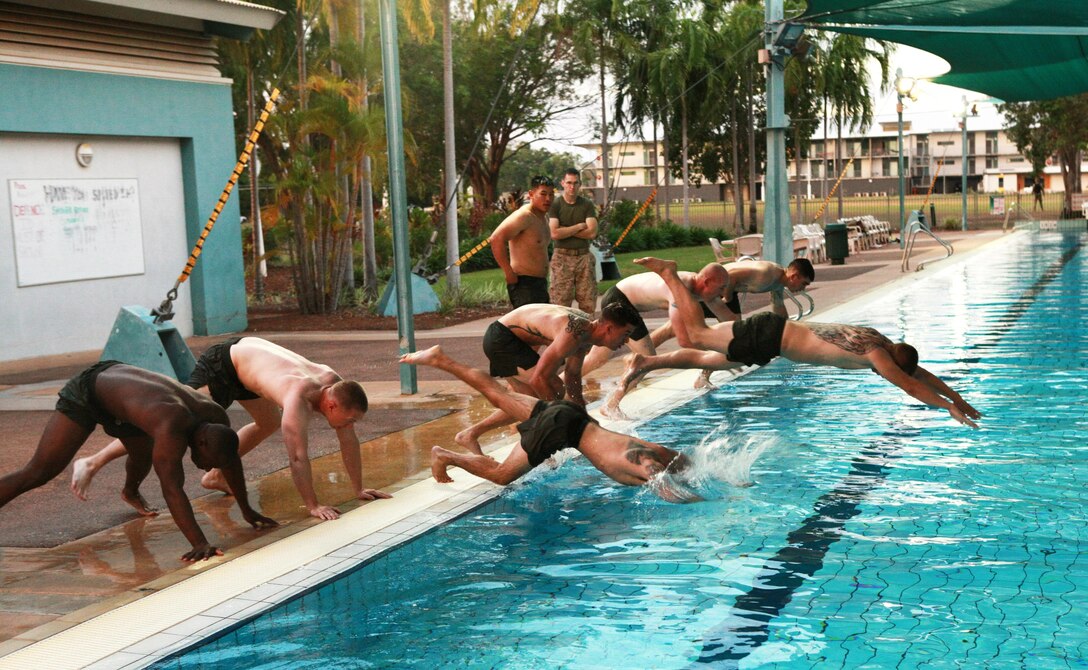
[[932, 156]]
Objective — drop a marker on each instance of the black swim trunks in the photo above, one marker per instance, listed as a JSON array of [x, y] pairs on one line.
[[528, 290], [614, 294], [553, 425], [79, 403], [734, 303], [758, 339], [507, 352], [216, 371]]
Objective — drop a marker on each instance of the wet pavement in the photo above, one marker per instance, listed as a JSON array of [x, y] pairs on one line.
[[63, 561]]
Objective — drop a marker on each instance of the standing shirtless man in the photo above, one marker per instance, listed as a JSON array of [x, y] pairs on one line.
[[757, 340], [566, 334], [265, 378], [156, 420], [520, 246]]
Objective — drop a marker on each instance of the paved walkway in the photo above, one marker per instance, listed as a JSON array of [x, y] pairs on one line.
[[63, 561]]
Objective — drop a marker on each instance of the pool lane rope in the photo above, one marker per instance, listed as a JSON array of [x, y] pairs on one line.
[[820, 212], [639, 213], [165, 311]]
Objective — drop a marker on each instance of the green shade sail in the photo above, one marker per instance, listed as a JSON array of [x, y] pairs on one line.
[[1010, 49]]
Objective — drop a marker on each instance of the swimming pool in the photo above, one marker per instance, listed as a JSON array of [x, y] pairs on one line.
[[878, 532]]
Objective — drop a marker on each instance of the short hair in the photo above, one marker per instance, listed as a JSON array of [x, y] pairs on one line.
[[906, 357], [621, 313], [541, 180], [573, 171], [350, 394], [217, 437], [715, 268], [803, 266]]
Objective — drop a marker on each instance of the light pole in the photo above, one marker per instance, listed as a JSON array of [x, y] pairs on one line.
[[968, 110], [904, 88]]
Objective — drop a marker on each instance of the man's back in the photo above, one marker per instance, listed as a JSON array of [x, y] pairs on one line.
[[273, 372], [647, 290], [833, 344], [754, 276], [147, 399], [540, 324]]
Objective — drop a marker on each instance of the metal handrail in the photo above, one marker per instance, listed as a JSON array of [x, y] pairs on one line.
[[801, 311], [913, 229]]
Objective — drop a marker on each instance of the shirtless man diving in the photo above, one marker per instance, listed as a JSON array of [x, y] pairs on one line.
[[757, 340], [266, 378], [547, 427], [566, 334], [520, 245], [156, 420]]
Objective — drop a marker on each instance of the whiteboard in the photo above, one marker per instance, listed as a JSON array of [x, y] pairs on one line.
[[73, 229]]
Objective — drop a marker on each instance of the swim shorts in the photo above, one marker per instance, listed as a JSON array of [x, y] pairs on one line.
[[734, 303], [615, 295], [216, 371], [507, 352], [553, 425], [78, 402], [528, 290], [758, 339]]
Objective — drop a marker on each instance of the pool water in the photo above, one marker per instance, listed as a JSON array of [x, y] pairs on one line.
[[877, 532]]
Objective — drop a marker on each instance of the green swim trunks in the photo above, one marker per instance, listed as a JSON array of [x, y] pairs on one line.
[[758, 339]]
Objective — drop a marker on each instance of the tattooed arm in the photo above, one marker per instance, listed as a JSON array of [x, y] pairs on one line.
[[545, 378]]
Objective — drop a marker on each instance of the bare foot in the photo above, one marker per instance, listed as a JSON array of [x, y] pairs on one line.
[[657, 265], [439, 462], [633, 371], [82, 473], [425, 357], [703, 382], [136, 500], [213, 481], [611, 407], [469, 441]]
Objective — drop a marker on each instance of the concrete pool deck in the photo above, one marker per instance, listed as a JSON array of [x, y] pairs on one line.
[[49, 586]]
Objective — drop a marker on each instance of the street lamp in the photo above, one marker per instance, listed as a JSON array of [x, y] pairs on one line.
[[904, 88]]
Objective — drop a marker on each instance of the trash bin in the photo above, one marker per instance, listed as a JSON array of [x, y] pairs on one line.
[[836, 241]]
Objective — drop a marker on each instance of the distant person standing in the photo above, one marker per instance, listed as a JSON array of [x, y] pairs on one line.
[[573, 223], [520, 246], [1037, 191]]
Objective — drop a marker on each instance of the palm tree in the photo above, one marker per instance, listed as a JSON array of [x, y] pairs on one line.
[[846, 85]]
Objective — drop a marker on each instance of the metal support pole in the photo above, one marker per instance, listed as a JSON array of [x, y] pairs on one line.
[[398, 191], [777, 228], [963, 182], [453, 247]]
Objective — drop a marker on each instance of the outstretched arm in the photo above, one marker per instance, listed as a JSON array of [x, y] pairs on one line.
[[236, 480], [685, 314], [169, 448], [935, 383], [887, 368], [353, 464], [296, 426]]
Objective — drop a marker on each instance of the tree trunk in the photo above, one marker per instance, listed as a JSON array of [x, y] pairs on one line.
[[254, 197], [606, 184], [453, 251], [797, 173], [752, 225], [668, 173], [657, 201], [838, 164], [823, 166], [684, 159], [738, 194], [366, 194]]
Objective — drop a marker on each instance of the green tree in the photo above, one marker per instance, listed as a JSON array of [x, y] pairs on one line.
[[523, 162], [1043, 128]]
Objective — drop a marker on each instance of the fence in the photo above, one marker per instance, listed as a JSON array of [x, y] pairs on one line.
[[948, 206]]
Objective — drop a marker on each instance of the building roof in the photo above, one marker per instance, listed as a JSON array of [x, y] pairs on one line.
[[225, 18]]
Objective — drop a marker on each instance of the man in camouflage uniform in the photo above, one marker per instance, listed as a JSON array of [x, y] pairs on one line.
[[573, 223]]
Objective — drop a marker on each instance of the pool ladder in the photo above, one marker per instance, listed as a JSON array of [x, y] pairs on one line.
[[917, 224], [802, 311]]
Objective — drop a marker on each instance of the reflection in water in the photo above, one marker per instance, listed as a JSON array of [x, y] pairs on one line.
[[144, 567]]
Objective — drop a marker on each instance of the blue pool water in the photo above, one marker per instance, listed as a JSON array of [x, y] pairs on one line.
[[877, 533]]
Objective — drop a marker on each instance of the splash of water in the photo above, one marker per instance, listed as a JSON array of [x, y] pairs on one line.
[[716, 459]]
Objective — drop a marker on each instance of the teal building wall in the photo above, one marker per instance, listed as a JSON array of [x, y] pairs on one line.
[[44, 100]]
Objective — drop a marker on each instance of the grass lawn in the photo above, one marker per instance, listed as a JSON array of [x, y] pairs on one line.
[[688, 258]]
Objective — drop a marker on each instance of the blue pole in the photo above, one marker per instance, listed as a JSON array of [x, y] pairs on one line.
[[777, 228], [398, 192]]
